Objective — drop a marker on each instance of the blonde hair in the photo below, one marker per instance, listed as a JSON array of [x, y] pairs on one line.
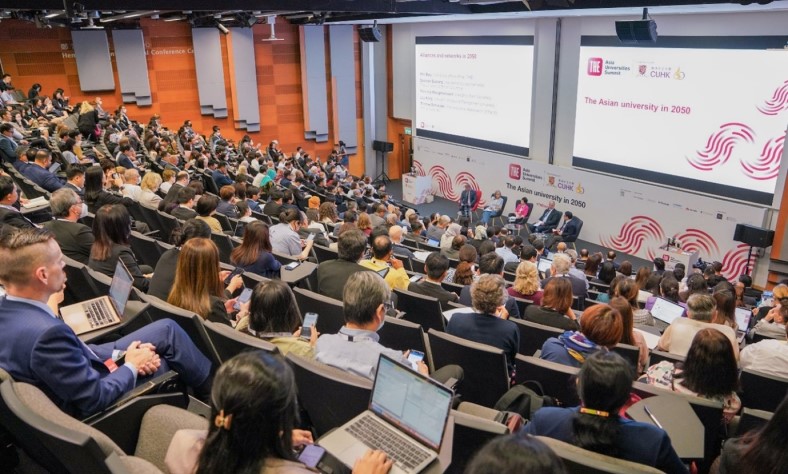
[[526, 281], [151, 181], [85, 108]]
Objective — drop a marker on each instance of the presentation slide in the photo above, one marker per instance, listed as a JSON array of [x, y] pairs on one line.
[[475, 91], [702, 114]]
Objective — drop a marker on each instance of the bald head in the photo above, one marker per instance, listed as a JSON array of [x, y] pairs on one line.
[[561, 247]]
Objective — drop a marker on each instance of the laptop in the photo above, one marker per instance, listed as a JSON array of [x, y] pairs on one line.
[[666, 311], [433, 242], [743, 316], [103, 311], [544, 265], [406, 419]]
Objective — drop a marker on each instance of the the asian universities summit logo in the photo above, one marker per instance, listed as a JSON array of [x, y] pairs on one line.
[[594, 66]]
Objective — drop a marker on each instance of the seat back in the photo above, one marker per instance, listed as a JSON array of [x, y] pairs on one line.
[[762, 391], [331, 397], [190, 322], [145, 249], [630, 353], [557, 380], [151, 217], [421, 309], [330, 311], [656, 357], [533, 335], [486, 377], [323, 254], [751, 419], [227, 342], [403, 335], [55, 440], [224, 244], [582, 461], [470, 434], [79, 285], [453, 287], [227, 226], [168, 225]]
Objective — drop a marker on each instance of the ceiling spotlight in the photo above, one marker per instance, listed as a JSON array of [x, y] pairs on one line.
[[222, 28]]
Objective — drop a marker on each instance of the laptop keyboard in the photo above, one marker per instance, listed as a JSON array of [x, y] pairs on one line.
[[377, 435], [98, 313]]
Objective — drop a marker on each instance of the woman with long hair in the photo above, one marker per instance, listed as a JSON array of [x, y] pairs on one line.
[[726, 306], [112, 233], [526, 283], [465, 273], [630, 336], [364, 224], [592, 265], [625, 268], [761, 450], [96, 194], [164, 275], [555, 308], [603, 385], [628, 289], [273, 315], [253, 418], [198, 286], [327, 213], [254, 254], [709, 371]]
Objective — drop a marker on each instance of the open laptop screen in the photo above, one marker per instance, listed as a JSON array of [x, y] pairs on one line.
[[666, 311], [120, 288], [410, 401], [743, 316], [544, 265]]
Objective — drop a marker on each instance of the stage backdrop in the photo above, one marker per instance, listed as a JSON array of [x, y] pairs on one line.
[[624, 215]]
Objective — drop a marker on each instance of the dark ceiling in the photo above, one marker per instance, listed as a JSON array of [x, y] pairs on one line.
[[126, 13]]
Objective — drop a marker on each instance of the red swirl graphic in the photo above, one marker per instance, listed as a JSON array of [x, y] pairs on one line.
[[445, 186], [735, 262], [766, 166], [419, 168], [720, 145], [778, 102], [636, 232], [696, 240], [464, 178]]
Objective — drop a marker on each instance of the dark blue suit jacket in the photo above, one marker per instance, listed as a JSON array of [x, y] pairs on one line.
[[220, 178], [571, 230], [41, 350], [551, 222], [43, 178]]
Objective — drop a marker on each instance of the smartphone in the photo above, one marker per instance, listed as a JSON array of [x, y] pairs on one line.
[[310, 237], [767, 298], [415, 356], [236, 271], [415, 278], [310, 319], [311, 455], [245, 296], [292, 265]]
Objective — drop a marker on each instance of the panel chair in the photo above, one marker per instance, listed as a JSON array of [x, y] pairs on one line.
[[331, 314], [486, 374], [557, 380], [330, 396], [227, 342], [762, 391], [421, 309], [534, 335]]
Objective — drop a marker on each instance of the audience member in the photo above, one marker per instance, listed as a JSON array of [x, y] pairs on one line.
[[285, 238], [555, 309], [206, 208], [513, 454], [678, 337], [630, 336], [465, 273], [560, 269], [185, 208], [148, 187], [435, 266], [382, 260], [38, 171], [254, 254], [526, 283], [332, 276], [226, 205], [164, 274], [492, 264], [75, 239], [600, 327], [112, 233], [9, 215], [773, 324]]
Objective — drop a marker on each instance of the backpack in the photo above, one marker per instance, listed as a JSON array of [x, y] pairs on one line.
[[524, 400]]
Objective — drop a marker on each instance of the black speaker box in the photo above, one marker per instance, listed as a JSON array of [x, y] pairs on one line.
[[637, 31], [754, 236], [378, 145], [370, 34]]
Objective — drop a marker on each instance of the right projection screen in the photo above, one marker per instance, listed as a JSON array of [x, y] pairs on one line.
[[706, 114]]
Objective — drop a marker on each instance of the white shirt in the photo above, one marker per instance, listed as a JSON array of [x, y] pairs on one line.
[[769, 356]]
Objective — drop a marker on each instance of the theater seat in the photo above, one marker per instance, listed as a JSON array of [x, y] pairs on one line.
[[579, 460]]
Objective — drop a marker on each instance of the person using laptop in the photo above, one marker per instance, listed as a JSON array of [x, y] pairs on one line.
[[677, 338], [252, 429], [355, 348], [37, 347]]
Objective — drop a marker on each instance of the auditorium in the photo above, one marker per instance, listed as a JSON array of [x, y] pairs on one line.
[[462, 236]]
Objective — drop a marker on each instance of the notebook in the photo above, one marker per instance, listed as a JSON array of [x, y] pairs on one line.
[[406, 419], [103, 311], [666, 311]]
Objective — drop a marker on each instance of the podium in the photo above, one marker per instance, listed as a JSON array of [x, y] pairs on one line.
[[673, 255], [416, 189]]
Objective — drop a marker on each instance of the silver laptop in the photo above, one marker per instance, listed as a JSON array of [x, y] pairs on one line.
[[743, 316], [666, 311], [103, 311], [406, 419], [544, 265]]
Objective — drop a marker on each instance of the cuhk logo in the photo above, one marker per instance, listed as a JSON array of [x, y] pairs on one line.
[[515, 172], [594, 66]]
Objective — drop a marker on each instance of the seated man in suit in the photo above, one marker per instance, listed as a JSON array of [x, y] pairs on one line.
[[332, 276], [568, 231], [10, 215], [220, 176], [562, 263], [490, 263], [75, 239], [467, 201], [75, 180], [274, 205], [548, 221], [395, 233], [436, 267], [38, 348], [38, 172], [355, 348], [185, 209]]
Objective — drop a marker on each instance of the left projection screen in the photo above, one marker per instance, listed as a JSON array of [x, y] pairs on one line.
[[475, 91]]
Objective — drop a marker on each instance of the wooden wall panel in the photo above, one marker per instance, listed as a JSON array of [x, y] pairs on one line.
[[46, 56]]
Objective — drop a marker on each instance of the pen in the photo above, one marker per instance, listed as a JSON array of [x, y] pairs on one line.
[[653, 418]]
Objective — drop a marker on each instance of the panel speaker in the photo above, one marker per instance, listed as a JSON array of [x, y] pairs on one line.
[[637, 31], [370, 34], [754, 236], [378, 145]]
